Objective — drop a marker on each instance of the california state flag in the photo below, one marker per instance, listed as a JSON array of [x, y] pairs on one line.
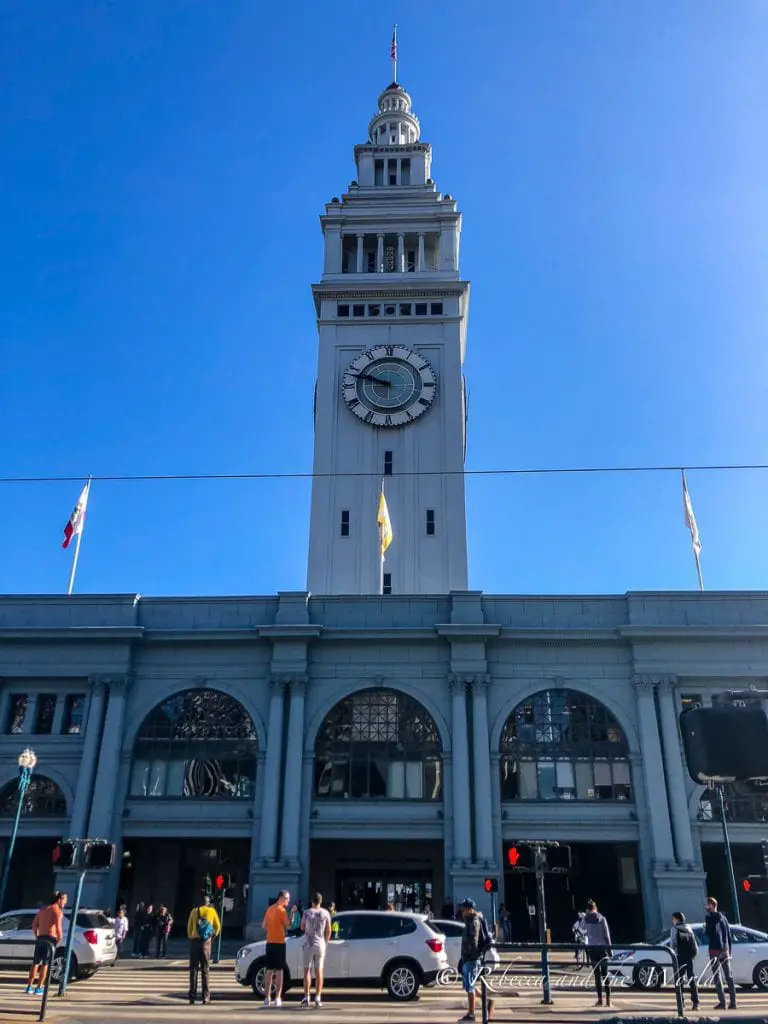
[[77, 519]]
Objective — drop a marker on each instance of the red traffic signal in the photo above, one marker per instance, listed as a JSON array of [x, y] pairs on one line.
[[746, 885], [755, 885], [521, 858], [219, 881], [491, 885]]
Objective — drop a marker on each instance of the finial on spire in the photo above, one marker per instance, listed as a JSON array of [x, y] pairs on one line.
[[393, 53]]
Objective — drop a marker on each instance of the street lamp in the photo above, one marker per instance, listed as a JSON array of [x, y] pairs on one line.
[[27, 760]]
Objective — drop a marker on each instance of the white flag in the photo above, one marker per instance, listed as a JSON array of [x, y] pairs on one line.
[[690, 518]]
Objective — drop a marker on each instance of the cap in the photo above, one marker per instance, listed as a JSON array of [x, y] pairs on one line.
[[468, 904]]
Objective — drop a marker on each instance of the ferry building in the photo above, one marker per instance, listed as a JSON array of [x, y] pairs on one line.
[[380, 746]]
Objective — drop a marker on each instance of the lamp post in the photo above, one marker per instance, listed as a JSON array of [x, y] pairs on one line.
[[27, 761]]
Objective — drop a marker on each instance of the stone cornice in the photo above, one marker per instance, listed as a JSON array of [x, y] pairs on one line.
[[302, 631], [58, 634], [477, 633], [694, 633]]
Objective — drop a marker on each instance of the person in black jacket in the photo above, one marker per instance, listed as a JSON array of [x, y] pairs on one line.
[[718, 933], [683, 942]]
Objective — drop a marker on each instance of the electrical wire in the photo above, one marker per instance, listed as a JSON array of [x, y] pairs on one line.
[[534, 471]]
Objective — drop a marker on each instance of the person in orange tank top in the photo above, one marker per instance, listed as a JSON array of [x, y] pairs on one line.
[[48, 931], [275, 924]]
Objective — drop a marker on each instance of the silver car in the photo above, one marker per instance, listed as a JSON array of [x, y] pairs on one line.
[[93, 944]]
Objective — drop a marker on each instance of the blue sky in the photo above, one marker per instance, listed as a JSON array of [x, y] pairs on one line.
[[164, 168]]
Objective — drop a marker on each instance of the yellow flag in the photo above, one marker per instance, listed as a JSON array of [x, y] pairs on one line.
[[385, 526]]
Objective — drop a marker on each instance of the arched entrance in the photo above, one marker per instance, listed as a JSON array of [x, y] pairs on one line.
[[41, 825], [378, 780], [189, 807], [566, 751]]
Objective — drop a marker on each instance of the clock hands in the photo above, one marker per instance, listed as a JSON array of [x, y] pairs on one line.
[[376, 380]]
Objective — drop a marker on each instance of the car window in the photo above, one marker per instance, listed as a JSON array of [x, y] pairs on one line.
[[739, 935], [9, 923], [756, 936], [701, 937], [25, 922], [375, 926], [340, 927], [451, 929], [93, 919]]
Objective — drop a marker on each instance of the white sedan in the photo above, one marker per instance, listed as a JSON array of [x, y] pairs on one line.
[[652, 969], [453, 930]]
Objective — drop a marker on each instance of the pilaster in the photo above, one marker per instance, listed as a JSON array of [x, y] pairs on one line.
[[462, 839], [293, 771], [272, 770], [81, 809], [681, 821], [481, 760]]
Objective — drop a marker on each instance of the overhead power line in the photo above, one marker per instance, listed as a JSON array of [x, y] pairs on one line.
[[521, 471]]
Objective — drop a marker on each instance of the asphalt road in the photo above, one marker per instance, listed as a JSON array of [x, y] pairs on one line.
[[148, 992]]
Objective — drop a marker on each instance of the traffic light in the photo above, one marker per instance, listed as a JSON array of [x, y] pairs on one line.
[[491, 885], [521, 857], [755, 885], [219, 882], [65, 854], [98, 855], [558, 860]]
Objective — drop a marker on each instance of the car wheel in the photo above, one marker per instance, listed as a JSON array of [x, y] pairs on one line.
[[647, 975], [760, 975], [256, 977], [57, 968], [402, 982]]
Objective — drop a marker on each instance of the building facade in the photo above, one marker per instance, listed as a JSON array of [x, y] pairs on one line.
[[380, 738]]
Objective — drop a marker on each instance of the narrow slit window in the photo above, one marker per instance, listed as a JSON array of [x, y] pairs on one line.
[[342, 310], [405, 309], [387, 463], [345, 522], [405, 172], [430, 522], [378, 172], [420, 308], [387, 587], [436, 309], [44, 712]]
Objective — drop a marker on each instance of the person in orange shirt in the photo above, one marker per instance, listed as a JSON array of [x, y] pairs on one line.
[[47, 930], [275, 924]]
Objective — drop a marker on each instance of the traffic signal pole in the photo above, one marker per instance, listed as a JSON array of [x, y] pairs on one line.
[[71, 934], [541, 908], [728, 857]]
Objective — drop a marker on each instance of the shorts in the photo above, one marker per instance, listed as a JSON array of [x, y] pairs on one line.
[[470, 972], [42, 950], [313, 955], [275, 956]]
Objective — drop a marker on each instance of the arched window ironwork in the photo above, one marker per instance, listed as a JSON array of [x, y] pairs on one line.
[[563, 745], [43, 799], [743, 802], [197, 744], [378, 744]]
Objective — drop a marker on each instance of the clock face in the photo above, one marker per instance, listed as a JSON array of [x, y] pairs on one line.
[[389, 386]]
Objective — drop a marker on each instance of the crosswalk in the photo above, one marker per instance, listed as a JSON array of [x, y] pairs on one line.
[[151, 992]]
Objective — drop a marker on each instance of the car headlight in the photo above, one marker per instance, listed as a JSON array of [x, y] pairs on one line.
[[241, 953], [620, 958]]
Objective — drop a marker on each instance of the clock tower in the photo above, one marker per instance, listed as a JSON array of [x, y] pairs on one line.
[[390, 400]]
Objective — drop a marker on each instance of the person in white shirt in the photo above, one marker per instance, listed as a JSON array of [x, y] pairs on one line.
[[316, 925]]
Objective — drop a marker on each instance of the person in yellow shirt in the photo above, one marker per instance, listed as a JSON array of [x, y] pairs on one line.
[[275, 924], [203, 926]]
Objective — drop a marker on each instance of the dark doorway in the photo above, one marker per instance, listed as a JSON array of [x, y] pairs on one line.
[[173, 871], [605, 872], [369, 874], [747, 860], [30, 882]]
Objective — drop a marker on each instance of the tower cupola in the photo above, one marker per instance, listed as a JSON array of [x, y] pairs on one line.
[[395, 124]]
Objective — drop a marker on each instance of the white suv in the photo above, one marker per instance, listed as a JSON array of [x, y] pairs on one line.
[[398, 951], [93, 945]]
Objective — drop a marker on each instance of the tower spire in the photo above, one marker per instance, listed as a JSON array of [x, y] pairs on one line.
[[393, 53]]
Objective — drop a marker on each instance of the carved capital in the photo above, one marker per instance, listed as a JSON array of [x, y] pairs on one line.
[[667, 685], [458, 684], [298, 685], [98, 684], [118, 685], [480, 683], [644, 685], [290, 680]]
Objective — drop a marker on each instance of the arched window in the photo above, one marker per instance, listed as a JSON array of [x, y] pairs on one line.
[[378, 744], [563, 745], [196, 744], [43, 799], [743, 802]]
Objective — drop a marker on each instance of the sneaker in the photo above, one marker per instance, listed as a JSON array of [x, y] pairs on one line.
[[318, 1003], [268, 1002], [39, 991], [467, 1017], [305, 1001], [278, 1002], [28, 990]]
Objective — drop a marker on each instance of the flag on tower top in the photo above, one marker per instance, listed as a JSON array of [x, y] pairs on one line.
[[393, 47], [76, 521], [690, 518]]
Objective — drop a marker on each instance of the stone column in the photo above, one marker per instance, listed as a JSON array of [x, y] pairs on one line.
[[481, 761], [78, 818], [379, 253], [292, 801], [462, 840], [103, 810], [401, 253], [420, 263], [655, 786], [360, 242], [269, 807], [678, 801], [30, 715]]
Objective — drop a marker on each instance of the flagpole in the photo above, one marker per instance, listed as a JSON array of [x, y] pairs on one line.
[[76, 555], [381, 577], [394, 54], [698, 568], [690, 522]]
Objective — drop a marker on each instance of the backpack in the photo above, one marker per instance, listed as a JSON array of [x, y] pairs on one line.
[[204, 927], [486, 941], [687, 947]]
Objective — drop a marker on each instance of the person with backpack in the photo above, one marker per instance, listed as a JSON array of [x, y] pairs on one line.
[[718, 932], [475, 943], [683, 943], [203, 926], [597, 936]]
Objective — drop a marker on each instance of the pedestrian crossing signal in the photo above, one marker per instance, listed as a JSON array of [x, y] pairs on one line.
[[755, 885], [491, 885], [219, 882], [521, 858], [98, 856], [558, 859], [65, 854]]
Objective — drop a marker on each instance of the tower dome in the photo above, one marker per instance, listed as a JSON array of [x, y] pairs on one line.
[[394, 124]]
